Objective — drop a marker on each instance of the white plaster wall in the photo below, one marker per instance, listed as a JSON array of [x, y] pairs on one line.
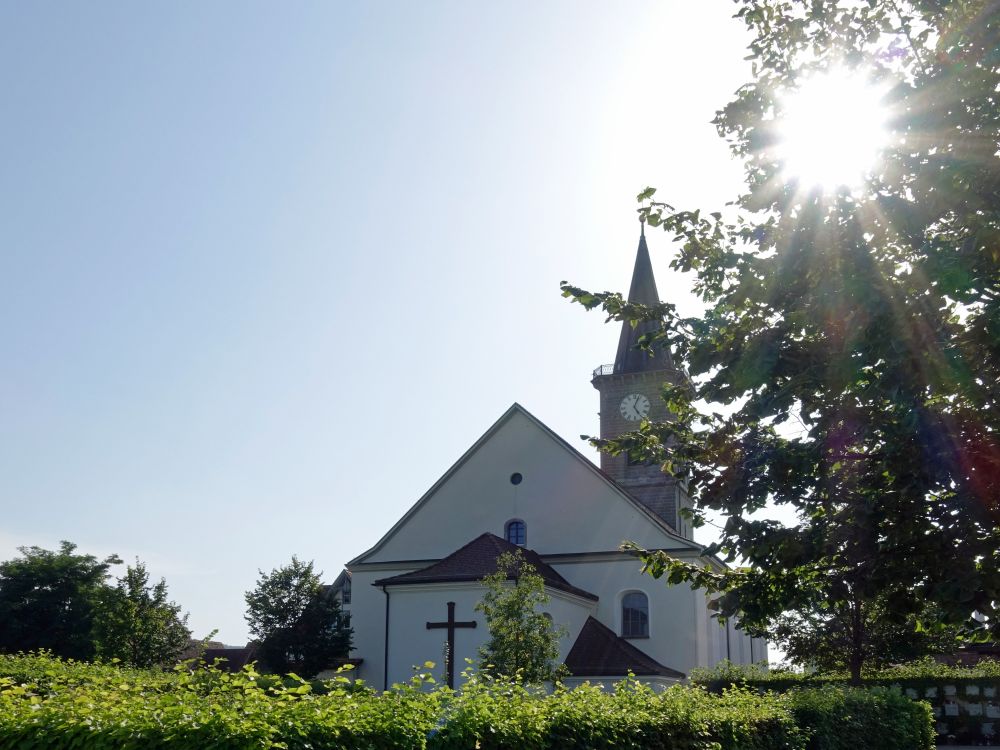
[[412, 644], [566, 506], [745, 649], [367, 619], [678, 616], [737, 644], [567, 509], [716, 640], [759, 650], [673, 633]]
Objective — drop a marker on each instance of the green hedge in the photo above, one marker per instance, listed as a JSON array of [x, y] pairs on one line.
[[962, 699], [919, 674], [847, 719], [495, 716], [47, 703]]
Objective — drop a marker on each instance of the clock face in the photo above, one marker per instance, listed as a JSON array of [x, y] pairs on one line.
[[634, 406]]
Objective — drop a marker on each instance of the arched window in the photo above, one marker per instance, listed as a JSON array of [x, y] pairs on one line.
[[516, 532], [635, 615]]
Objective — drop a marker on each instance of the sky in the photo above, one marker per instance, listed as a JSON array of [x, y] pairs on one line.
[[268, 269]]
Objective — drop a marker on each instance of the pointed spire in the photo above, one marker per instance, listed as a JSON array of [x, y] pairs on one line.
[[643, 291]]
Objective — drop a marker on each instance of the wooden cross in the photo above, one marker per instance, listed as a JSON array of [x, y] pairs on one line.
[[451, 624]]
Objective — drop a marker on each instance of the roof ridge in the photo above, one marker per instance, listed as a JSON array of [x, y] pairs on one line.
[[515, 408]]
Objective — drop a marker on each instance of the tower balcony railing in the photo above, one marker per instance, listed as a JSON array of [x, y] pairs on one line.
[[604, 370]]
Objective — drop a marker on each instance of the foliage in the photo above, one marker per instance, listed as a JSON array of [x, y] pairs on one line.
[[137, 624], [45, 672], [45, 702], [201, 709], [919, 674], [846, 719], [498, 714], [48, 600], [846, 366], [821, 641], [523, 641], [837, 717], [300, 626]]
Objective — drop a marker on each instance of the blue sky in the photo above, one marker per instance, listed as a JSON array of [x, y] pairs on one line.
[[267, 270]]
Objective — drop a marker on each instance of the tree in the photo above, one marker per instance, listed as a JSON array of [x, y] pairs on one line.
[[847, 363], [523, 641], [300, 625], [48, 600], [817, 639], [137, 624]]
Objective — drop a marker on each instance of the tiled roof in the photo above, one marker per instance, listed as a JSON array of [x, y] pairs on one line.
[[231, 659], [478, 559], [598, 652]]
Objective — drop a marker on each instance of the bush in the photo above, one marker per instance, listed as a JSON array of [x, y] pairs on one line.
[[921, 673], [963, 699], [859, 719], [494, 715], [48, 703], [91, 707]]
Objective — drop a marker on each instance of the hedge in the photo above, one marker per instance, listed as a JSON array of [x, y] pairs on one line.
[[847, 719], [918, 674], [964, 701], [48, 703]]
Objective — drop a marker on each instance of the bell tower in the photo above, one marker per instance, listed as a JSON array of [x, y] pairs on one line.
[[630, 392]]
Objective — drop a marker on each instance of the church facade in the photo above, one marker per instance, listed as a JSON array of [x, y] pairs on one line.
[[412, 596]]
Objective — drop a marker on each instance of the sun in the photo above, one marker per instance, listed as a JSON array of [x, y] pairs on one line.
[[832, 130]]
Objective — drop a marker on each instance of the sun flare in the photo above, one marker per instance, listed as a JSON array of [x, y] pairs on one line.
[[832, 129]]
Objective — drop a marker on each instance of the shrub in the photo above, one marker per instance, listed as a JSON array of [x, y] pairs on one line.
[[493, 715], [48, 703], [861, 719], [91, 707]]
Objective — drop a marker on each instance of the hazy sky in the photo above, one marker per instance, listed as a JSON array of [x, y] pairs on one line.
[[267, 270]]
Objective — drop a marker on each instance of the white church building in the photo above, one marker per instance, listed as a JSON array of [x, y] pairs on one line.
[[522, 486]]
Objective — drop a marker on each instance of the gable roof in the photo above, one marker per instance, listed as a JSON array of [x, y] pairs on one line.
[[478, 559], [516, 408], [598, 652]]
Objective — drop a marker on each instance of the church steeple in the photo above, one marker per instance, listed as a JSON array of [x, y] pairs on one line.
[[629, 359], [630, 393]]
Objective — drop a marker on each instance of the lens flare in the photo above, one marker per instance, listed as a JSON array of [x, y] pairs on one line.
[[832, 130]]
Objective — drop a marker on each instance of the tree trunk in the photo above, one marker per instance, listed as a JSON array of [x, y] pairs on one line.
[[856, 657]]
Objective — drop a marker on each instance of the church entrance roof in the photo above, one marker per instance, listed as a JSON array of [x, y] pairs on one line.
[[478, 559], [598, 652]]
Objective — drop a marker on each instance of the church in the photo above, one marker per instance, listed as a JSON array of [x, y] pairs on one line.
[[412, 596]]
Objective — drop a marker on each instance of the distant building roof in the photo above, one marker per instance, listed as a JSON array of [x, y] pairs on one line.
[[231, 659], [478, 559], [598, 652], [971, 654]]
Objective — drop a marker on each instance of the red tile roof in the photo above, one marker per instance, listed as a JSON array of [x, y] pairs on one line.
[[598, 652], [478, 559]]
